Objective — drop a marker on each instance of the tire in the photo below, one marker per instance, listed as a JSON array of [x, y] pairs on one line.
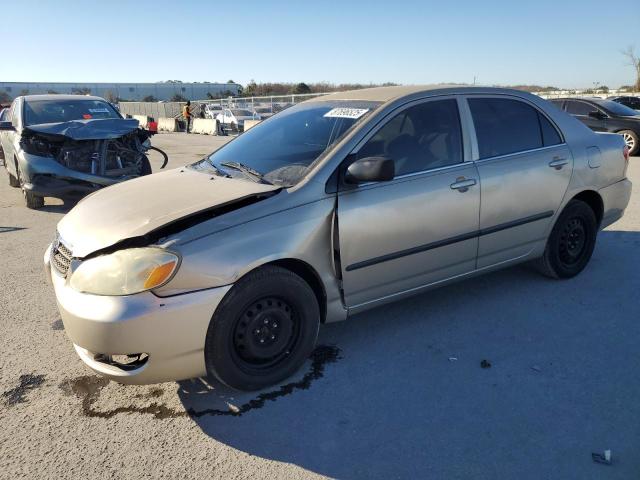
[[571, 243], [13, 181], [263, 330], [32, 201], [146, 166], [632, 141]]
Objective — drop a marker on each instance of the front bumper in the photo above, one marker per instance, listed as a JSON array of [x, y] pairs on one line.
[[45, 177], [171, 330]]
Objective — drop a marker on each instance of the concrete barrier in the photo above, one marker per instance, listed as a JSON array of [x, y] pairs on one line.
[[206, 126], [143, 120], [167, 124], [250, 123]]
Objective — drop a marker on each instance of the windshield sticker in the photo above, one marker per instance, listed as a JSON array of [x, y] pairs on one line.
[[346, 113], [86, 116], [99, 110]]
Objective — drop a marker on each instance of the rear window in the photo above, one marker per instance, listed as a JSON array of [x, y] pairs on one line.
[[617, 108], [55, 111], [505, 126]]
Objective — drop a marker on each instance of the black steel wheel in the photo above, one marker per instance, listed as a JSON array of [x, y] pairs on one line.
[[263, 330], [266, 334], [571, 243]]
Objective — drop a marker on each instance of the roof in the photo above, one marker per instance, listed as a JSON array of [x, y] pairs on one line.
[[57, 96], [386, 94]]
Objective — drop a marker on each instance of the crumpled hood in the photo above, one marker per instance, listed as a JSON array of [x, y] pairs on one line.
[[139, 206], [95, 129]]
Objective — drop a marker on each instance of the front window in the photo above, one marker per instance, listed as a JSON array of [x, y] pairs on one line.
[[422, 137], [37, 112], [580, 108], [283, 148]]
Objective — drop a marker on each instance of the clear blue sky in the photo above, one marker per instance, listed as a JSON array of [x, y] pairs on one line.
[[562, 43]]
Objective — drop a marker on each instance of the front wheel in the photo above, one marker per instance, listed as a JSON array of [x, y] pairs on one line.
[[571, 242], [631, 140], [263, 330], [145, 167]]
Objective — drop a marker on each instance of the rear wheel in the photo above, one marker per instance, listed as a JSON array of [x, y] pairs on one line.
[[263, 331], [571, 243], [632, 141]]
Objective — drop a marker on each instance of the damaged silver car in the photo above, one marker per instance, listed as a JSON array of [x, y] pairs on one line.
[[329, 208], [66, 146]]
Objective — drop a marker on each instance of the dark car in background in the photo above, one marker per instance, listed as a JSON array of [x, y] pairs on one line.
[[605, 116], [66, 146], [627, 101]]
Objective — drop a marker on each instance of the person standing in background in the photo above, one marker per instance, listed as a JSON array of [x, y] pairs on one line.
[[186, 113]]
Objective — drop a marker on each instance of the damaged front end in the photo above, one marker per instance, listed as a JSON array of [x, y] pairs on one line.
[[81, 156]]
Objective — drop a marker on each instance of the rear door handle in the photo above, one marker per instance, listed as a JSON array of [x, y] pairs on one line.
[[558, 162], [462, 184]]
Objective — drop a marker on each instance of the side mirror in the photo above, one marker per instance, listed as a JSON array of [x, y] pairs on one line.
[[370, 169], [597, 115], [6, 127]]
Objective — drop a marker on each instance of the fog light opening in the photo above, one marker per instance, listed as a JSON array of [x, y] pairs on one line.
[[127, 362]]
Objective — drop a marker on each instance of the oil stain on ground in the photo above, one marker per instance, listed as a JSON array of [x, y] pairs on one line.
[[57, 325], [27, 382], [88, 389]]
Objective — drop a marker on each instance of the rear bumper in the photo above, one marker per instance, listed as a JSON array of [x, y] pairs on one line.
[[615, 198], [171, 330]]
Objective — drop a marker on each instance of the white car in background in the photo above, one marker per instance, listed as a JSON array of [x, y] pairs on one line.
[[212, 110], [234, 118]]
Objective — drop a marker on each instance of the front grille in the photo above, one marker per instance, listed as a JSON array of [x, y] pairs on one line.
[[60, 257]]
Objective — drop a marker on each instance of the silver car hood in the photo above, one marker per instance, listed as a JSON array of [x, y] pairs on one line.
[[139, 206]]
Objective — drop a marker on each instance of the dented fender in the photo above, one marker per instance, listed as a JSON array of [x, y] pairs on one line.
[[302, 233]]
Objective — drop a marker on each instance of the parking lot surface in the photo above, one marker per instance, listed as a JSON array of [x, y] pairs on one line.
[[509, 375]]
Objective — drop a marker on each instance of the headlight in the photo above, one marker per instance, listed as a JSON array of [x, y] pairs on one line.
[[125, 272]]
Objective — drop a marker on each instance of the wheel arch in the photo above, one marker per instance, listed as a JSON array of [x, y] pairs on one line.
[[594, 200], [309, 275]]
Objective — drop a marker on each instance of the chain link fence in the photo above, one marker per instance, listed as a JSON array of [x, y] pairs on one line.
[[263, 106]]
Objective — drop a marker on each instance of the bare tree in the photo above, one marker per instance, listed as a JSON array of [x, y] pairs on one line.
[[634, 61]]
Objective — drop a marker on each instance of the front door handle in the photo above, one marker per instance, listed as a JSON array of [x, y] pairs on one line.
[[558, 162], [462, 184]]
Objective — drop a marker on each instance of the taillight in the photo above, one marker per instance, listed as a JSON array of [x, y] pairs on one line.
[[625, 154]]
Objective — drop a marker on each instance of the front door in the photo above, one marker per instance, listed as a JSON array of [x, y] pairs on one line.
[[581, 111], [421, 227]]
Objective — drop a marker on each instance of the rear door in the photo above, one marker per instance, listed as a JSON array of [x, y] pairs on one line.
[[421, 227], [524, 167]]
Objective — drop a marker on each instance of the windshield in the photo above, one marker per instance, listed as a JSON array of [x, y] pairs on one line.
[[241, 113], [283, 147], [617, 108], [55, 111]]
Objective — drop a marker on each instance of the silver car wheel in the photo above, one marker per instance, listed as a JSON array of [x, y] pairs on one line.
[[629, 140]]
